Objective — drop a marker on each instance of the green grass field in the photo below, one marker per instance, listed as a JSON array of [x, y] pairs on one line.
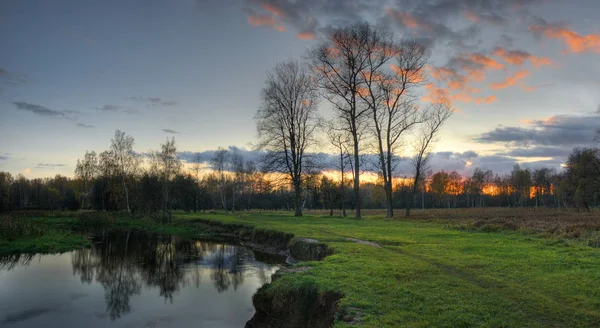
[[428, 275], [427, 272]]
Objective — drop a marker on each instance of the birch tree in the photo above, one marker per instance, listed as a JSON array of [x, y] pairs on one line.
[[87, 170], [125, 159], [219, 164], [169, 166]]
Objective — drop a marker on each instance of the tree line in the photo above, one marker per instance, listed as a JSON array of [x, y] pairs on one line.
[[156, 187]]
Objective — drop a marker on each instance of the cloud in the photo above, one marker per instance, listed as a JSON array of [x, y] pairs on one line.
[[154, 101], [574, 42], [170, 131], [490, 18], [273, 9], [44, 111], [269, 19], [49, 166], [306, 36], [82, 125], [207, 155], [539, 151], [132, 111], [406, 19], [81, 37], [4, 157], [109, 108], [519, 57], [555, 131], [12, 78], [510, 80]]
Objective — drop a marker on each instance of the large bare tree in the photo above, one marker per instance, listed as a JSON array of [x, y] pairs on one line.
[[286, 123], [436, 115], [391, 82], [340, 65]]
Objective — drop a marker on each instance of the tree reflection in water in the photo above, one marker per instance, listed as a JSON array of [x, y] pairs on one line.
[[124, 262]]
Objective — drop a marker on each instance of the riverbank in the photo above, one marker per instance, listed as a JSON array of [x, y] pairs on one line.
[[417, 274], [403, 273]]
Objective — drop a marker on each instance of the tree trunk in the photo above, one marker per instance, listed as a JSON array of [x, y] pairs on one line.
[[356, 177], [126, 195], [342, 185], [389, 199], [233, 200], [297, 199]]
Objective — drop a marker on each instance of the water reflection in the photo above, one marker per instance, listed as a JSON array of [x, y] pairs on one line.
[[127, 264]]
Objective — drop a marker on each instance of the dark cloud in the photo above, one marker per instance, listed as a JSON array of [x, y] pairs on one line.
[[559, 130], [81, 125], [49, 166], [116, 108], [12, 78], [44, 111], [207, 155], [154, 101], [4, 157], [131, 111], [110, 108], [170, 131], [430, 21], [539, 151]]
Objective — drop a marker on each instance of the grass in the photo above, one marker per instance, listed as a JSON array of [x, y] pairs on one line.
[[20, 235], [439, 269], [427, 275]]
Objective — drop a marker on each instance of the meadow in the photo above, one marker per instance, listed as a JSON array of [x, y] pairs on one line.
[[450, 268]]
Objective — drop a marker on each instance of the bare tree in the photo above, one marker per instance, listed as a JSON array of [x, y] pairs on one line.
[[340, 64], [340, 140], [286, 123], [437, 113], [219, 163], [125, 159], [390, 97], [238, 170]]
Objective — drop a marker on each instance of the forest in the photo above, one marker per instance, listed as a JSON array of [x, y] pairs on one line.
[[233, 184]]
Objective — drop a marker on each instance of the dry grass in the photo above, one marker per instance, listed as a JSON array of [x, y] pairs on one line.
[[567, 223]]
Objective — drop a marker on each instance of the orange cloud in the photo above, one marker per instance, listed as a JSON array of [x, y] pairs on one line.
[[306, 36], [575, 42], [513, 57], [540, 61], [487, 100], [273, 10], [527, 88], [490, 99], [434, 92], [517, 57], [510, 80], [484, 60], [471, 16], [406, 19], [265, 20]]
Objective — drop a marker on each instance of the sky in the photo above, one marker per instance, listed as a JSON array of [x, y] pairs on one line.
[[522, 74]]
